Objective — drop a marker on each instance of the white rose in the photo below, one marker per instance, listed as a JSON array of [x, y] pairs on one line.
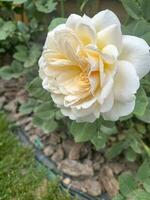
[[91, 69]]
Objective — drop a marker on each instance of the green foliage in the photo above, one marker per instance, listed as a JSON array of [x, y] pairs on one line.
[[12, 71], [138, 23], [99, 140], [7, 29], [145, 5], [36, 90], [46, 6], [55, 22], [135, 186], [27, 55], [141, 102], [146, 116], [115, 150], [127, 183], [83, 132], [132, 7]]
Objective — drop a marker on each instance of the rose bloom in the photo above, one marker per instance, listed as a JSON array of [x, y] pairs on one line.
[[91, 69]]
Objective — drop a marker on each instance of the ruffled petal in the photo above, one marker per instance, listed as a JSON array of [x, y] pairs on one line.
[[110, 35], [108, 103], [85, 31], [126, 81], [104, 19], [119, 109], [136, 51], [73, 20]]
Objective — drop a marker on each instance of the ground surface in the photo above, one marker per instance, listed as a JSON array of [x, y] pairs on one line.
[[83, 167]]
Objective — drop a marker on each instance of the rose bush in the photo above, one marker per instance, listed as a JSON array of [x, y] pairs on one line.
[[91, 69]]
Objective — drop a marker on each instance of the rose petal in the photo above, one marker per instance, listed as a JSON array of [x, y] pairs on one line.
[[86, 32], [111, 50], [136, 51], [72, 21], [108, 103], [110, 35], [106, 89], [119, 109], [126, 81], [104, 19]]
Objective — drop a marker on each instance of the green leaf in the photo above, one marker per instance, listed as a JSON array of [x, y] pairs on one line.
[[146, 116], [21, 54], [36, 90], [45, 110], [59, 115], [146, 185], [115, 150], [139, 194], [145, 5], [99, 140], [118, 197], [19, 1], [130, 155], [132, 7], [22, 27], [144, 171], [27, 55], [28, 106], [136, 146], [127, 183], [141, 102], [33, 55], [13, 71], [47, 126], [45, 6], [125, 118], [7, 29], [83, 132], [142, 29], [109, 130], [55, 22]]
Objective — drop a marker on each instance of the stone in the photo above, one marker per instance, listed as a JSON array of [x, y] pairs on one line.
[[54, 139], [32, 138], [49, 150], [67, 145], [89, 186], [58, 155], [25, 120], [78, 185], [74, 153], [11, 106], [85, 151], [93, 187], [97, 157], [96, 166], [75, 168], [2, 101], [28, 126], [67, 181], [109, 182], [131, 166], [117, 168]]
